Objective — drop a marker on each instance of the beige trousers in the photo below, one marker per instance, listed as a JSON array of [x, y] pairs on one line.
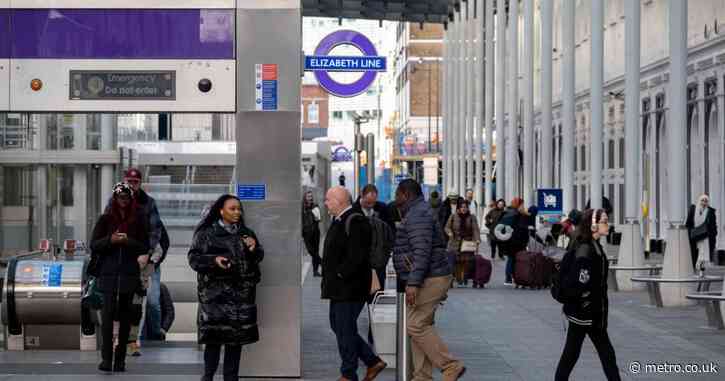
[[427, 347]]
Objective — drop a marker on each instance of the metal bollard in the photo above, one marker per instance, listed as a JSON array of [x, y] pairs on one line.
[[403, 357]]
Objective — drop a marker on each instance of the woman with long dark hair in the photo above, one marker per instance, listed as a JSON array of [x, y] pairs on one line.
[[119, 245], [464, 236], [226, 254], [311, 217], [584, 290]]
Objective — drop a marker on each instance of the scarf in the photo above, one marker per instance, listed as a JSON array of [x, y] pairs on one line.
[[701, 214]]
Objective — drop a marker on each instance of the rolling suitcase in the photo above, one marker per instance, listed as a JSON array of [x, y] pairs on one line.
[[525, 269], [482, 271], [543, 268]]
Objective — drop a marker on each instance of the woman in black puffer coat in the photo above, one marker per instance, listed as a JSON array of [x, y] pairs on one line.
[[226, 256]]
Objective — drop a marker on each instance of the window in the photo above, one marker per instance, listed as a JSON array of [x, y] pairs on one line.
[[337, 115], [616, 200], [583, 158], [620, 203], [17, 186], [611, 154], [621, 152], [313, 113]]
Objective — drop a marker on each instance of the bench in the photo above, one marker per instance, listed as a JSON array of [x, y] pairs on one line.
[[612, 280], [653, 282], [712, 301]]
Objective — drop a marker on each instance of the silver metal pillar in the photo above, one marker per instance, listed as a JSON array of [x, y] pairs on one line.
[[471, 83], [678, 262], [80, 180], [478, 154], [108, 130], [631, 250], [512, 144], [529, 196], [370, 156], [489, 98], [359, 147], [568, 119], [547, 129], [500, 99], [268, 32], [597, 102]]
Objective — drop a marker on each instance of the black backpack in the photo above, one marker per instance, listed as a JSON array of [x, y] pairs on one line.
[[561, 270], [381, 243]]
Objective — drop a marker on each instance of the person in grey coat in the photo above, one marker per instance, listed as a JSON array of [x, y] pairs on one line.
[[421, 262]]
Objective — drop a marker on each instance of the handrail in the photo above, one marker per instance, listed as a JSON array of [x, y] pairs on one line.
[[4, 261]]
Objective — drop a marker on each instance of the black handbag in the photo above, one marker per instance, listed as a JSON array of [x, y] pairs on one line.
[[698, 233], [92, 296]]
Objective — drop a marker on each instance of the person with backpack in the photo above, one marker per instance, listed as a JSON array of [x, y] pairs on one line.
[[346, 283], [511, 234], [581, 285], [464, 236], [383, 228], [311, 217], [491, 220]]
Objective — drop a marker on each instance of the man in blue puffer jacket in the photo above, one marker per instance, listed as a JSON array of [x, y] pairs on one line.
[[421, 263]]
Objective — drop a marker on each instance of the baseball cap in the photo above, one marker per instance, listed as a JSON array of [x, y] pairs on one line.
[[133, 173]]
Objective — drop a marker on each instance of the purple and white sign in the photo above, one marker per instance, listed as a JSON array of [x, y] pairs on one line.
[[322, 64], [4, 33]]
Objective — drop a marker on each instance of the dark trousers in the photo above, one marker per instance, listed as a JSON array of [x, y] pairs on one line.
[[493, 248], [574, 340], [232, 357], [115, 307], [312, 243], [352, 347], [510, 267]]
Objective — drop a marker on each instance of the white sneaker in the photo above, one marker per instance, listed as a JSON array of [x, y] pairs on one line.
[[508, 284]]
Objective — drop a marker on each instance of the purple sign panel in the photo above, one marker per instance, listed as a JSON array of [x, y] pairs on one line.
[[362, 43], [4, 33], [121, 33]]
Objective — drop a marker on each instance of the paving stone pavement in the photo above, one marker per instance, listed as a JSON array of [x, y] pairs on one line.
[[500, 333]]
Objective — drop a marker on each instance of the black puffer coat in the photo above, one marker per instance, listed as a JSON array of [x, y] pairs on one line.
[[227, 306]]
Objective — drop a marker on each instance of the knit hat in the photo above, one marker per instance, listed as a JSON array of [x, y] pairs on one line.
[[122, 189], [133, 173]]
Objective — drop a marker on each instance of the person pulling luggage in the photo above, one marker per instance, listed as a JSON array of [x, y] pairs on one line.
[[464, 236]]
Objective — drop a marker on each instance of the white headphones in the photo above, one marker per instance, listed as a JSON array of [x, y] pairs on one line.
[[595, 226]]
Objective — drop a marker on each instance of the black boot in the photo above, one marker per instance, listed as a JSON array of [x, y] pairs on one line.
[[316, 272], [119, 360], [104, 366]]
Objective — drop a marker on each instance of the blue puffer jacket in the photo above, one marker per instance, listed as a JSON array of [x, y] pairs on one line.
[[420, 251]]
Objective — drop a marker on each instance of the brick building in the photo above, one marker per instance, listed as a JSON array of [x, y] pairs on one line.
[[315, 112]]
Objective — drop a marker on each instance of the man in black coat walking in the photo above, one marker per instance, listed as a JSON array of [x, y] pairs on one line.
[[346, 280]]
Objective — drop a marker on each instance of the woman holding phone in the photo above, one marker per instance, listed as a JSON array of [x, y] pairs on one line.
[[225, 255], [119, 245]]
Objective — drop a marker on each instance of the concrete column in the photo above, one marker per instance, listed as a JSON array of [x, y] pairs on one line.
[[631, 250], [480, 80], [108, 132], [597, 102], [489, 98], [470, 93], [678, 262], [512, 143], [547, 132], [568, 72], [500, 99], [529, 196], [456, 111]]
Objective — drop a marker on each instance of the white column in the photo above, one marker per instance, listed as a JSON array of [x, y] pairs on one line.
[[547, 133], [489, 99], [597, 102], [678, 262], [568, 72], [721, 129], [455, 106], [529, 196], [513, 103], [470, 95], [463, 89], [478, 154], [500, 99], [631, 250]]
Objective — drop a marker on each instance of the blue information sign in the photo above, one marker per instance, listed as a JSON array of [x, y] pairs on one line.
[[550, 201], [52, 275], [252, 192]]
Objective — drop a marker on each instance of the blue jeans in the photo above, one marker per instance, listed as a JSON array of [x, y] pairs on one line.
[[510, 260], [153, 307], [352, 347]]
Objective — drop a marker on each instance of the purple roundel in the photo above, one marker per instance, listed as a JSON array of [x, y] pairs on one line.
[[345, 37]]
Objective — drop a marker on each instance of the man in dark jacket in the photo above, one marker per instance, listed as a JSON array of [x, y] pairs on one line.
[[368, 205], [421, 262], [346, 280]]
